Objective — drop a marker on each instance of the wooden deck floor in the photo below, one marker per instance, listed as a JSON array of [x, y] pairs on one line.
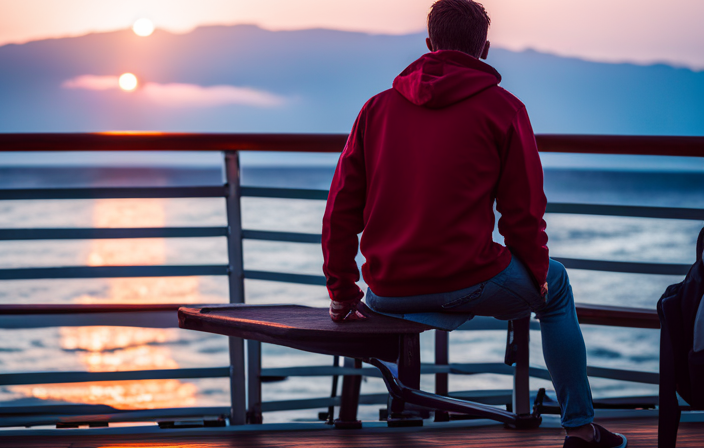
[[640, 433]]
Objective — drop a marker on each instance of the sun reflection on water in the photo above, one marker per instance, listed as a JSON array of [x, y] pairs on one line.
[[109, 349]]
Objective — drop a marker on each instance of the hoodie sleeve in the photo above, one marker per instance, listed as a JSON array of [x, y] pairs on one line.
[[344, 219], [521, 200]]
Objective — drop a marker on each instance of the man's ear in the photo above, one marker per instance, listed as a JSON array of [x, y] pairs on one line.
[[485, 51], [429, 44]]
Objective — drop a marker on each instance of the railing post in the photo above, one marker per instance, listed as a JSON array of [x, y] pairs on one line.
[[238, 410], [442, 358], [521, 374]]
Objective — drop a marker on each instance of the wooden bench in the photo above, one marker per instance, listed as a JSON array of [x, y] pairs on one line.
[[392, 345]]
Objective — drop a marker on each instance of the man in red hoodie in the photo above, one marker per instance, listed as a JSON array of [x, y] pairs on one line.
[[420, 173]]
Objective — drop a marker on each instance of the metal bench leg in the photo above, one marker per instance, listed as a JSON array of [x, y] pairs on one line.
[[409, 374], [521, 375], [349, 399], [254, 386], [238, 410], [519, 338], [399, 391]]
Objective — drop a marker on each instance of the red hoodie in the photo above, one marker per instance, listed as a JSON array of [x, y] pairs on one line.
[[419, 174]]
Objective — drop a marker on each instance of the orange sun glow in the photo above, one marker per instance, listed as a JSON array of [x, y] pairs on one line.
[[110, 349], [128, 82], [143, 27]]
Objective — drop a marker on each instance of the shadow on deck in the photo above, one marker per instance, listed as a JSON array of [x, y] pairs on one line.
[[640, 432]]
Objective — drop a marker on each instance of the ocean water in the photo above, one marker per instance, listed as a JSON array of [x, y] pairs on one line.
[[124, 348]]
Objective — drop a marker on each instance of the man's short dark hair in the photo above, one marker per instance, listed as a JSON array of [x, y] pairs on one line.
[[458, 25]]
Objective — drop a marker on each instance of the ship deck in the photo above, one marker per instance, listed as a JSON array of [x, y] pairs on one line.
[[641, 432]]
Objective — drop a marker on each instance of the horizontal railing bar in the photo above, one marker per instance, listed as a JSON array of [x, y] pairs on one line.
[[148, 319], [492, 397], [626, 210], [302, 279], [591, 314], [57, 409], [161, 141], [113, 193], [539, 372], [425, 369], [53, 414], [628, 267], [553, 207], [318, 194], [96, 410], [308, 403], [573, 263], [287, 237], [23, 378], [293, 237], [458, 369], [74, 315], [93, 233], [284, 193], [309, 371], [622, 144], [606, 315], [110, 272], [90, 308], [617, 316], [323, 402], [633, 376]]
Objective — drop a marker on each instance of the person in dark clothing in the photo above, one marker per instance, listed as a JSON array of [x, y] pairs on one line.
[[423, 166]]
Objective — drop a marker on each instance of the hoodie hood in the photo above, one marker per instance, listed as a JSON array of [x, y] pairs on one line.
[[444, 77]]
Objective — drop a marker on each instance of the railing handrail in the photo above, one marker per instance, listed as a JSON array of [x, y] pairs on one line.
[[231, 191], [687, 146], [87, 308], [593, 314]]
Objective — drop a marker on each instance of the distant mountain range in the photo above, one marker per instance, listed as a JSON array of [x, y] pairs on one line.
[[308, 81]]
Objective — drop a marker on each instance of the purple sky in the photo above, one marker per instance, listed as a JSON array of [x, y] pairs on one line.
[[642, 31]]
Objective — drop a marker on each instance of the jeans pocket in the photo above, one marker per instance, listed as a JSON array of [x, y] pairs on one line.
[[472, 295]]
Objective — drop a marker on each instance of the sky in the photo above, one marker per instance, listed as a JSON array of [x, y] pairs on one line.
[[639, 31]]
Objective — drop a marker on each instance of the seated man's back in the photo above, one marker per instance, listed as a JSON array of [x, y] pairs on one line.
[[423, 166]]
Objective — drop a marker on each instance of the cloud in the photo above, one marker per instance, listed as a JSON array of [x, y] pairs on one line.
[[92, 82], [183, 95], [198, 96]]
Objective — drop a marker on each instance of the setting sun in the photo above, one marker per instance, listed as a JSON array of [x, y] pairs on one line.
[[143, 27], [128, 82]]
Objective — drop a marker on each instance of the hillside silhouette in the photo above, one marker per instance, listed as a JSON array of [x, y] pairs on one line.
[[322, 77]]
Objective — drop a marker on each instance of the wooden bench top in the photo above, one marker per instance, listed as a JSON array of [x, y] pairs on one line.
[[303, 328]]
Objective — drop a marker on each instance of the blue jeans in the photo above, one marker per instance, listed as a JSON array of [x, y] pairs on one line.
[[512, 294]]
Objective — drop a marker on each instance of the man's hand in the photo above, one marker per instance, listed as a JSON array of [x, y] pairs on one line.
[[544, 292], [345, 311]]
